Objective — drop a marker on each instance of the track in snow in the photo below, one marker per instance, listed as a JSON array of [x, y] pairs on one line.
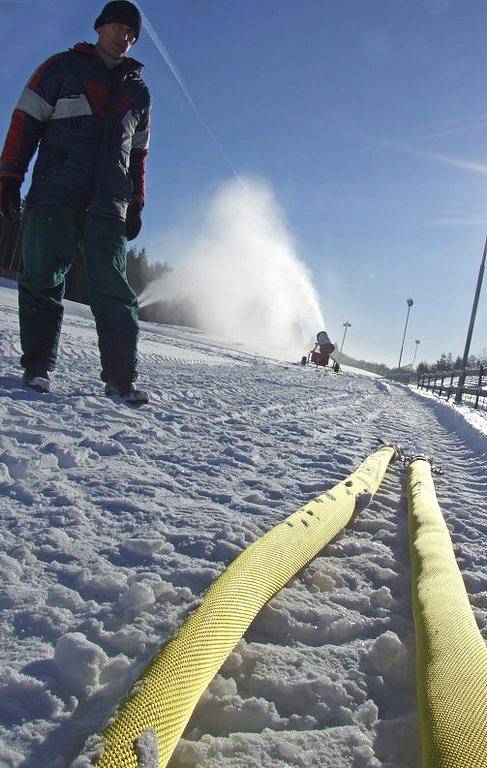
[[116, 520]]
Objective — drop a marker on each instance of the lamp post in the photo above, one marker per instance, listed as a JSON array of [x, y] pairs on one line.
[[346, 325], [410, 303], [463, 375], [417, 342]]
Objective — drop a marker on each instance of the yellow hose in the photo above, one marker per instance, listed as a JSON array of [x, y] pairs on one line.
[[161, 703], [451, 654]]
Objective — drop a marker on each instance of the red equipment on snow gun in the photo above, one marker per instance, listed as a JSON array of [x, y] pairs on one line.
[[321, 353]]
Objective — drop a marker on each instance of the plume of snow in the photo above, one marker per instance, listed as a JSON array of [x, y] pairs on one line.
[[238, 273]]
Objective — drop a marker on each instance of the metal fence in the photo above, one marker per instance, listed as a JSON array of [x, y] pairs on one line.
[[446, 383]]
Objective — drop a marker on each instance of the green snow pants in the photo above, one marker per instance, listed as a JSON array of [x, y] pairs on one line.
[[53, 235]]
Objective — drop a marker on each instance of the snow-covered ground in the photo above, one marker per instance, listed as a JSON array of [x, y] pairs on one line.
[[114, 521]]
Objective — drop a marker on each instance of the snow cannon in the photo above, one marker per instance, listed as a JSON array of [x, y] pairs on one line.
[[321, 353]]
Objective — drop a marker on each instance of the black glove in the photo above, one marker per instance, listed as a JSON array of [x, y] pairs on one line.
[[133, 222], [10, 198]]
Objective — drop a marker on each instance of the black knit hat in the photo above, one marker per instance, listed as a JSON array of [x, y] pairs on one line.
[[122, 12]]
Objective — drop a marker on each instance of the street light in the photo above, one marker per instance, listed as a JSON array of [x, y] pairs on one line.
[[417, 342], [410, 303], [346, 325]]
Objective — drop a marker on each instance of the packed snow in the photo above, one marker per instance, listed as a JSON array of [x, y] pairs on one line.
[[116, 520]]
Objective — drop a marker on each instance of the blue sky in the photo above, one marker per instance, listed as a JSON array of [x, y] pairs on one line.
[[368, 119]]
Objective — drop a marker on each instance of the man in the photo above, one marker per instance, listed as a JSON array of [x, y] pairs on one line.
[[88, 110]]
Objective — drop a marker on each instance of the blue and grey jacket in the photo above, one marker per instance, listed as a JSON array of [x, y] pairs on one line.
[[92, 123]]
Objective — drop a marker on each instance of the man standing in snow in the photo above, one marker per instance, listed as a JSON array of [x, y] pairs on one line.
[[88, 110]]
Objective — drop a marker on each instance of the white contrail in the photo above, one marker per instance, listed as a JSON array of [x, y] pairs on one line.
[[174, 70], [457, 126], [454, 162], [459, 120], [458, 221], [461, 127]]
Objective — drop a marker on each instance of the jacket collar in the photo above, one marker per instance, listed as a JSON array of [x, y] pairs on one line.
[[128, 63]]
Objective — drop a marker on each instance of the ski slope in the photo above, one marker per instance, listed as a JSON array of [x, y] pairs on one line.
[[114, 521]]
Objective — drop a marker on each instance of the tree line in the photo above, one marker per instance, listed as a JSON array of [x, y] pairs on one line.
[[365, 365], [446, 362]]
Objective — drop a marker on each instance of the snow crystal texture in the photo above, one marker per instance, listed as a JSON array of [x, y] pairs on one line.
[[114, 522]]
